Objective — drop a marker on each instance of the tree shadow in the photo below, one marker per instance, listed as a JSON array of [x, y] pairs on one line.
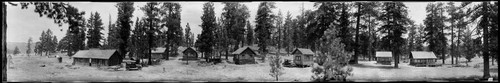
[[371, 66]]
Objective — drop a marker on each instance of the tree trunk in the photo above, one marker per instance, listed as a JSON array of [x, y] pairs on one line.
[[452, 53], [356, 48], [486, 54]]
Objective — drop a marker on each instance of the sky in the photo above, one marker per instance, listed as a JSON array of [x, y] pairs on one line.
[[25, 23]]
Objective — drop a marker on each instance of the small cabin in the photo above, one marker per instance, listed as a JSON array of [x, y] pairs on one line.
[[190, 54], [423, 58], [245, 55], [303, 56], [158, 53], [97, 57], [384, 57]]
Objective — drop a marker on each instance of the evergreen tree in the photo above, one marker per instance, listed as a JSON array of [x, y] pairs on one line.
[[395, 20], [187, 37], [112, 40], [264, 24], [94, 33], [235, 16], [331, 63], [76, 32], [172, 20], [434, 27], [28, 51], [208, 25], [487, 13], [139, 41], [125, 10], [250, 34], [16, 51], [152, 23]]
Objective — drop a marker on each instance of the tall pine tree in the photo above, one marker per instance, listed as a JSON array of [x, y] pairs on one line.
[[94, 33]]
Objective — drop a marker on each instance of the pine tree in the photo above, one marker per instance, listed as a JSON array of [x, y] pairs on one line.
[[209, 25], [76, 32], [16, 51], [434, 27], [139, 41], [152, 23], [125, 10], [172, 20], [94, 33], [264, 24], [187, 37], [331, 63], [234, 17], [28, 51], [487, 12], [276, 67], [250, 34], [395, 19]]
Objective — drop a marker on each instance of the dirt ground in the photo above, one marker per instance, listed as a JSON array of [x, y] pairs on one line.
[[30, 69]]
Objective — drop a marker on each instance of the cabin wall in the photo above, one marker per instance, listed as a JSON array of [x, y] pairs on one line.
[[81, 61], [422, 61], [384, 60], [115, 59], [156, 55], [190, 55], [302, 59], [99, 62], [246, 57]]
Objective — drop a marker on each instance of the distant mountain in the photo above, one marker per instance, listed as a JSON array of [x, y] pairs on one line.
[[21, 45]]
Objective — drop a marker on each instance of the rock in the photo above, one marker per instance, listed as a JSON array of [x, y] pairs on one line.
[[42, 65]]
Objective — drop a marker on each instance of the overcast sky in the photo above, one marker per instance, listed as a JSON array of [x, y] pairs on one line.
[[25, 23]]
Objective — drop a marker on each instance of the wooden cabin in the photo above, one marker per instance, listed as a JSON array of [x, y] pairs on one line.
[[245, 55], [423, 58], [190, 54], [303, 57], [384, 57], [97, 57], [158, 53]]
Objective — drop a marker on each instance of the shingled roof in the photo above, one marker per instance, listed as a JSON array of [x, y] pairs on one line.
[[303, 51], [188, 49], [240, 50], [422, 55], [95, 53], [383, 54], [158, 50]]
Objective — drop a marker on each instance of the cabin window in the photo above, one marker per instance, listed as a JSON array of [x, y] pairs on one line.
[[297, 58]]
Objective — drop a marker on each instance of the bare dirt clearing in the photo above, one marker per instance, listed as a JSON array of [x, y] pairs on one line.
[[29, 69]]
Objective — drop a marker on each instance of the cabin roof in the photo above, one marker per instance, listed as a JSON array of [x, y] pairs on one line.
[[95, 53], [158, 50], [303, 51], [383, 54], [240, 50], [422, 55], [190, 48]]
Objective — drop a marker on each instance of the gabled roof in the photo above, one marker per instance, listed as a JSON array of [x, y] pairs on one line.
[[240, 50], [158, 50], [383, 54], [303, 51], [422, 55], [190, 48], [95, 53], [254, 48]]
